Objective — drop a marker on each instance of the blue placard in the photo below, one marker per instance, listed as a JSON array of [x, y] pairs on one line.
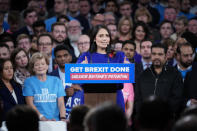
[[100, 73]]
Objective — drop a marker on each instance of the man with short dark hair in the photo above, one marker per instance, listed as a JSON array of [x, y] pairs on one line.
[[97, 19], [125, 8], [185, 9], [39, 27], [111, 6], [76, 119], [59, 33], [170, 14], [106, 117], [60, 8], [145, 51], [62, 56], [74, 93], [30, 16], [4, 51], [73, 8], [160, 80], [129, 49], [8, 41], [154, 114], [185, 58], [22, 118], [192, 26], [84, 16]]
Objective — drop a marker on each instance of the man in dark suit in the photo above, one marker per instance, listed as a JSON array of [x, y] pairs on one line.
[[30, 16], [145, 51], [190, 90], [84, 16]]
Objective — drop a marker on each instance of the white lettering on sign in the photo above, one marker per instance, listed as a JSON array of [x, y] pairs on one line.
[[96, 69], [76, 69], [119, 69]]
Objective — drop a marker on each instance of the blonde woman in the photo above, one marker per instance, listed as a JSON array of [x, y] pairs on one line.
[[125, 27], [45, 94]]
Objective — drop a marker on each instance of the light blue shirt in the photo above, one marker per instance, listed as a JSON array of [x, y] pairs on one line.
[[46, 94], [52, 20]]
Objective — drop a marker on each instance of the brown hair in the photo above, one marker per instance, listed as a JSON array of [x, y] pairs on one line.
[[56, 24], [142, 11], [22, 36], [13, 56]]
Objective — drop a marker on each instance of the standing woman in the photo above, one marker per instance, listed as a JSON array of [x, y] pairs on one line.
[[45, 94], [100, 52], [20, 61], [10, 91]]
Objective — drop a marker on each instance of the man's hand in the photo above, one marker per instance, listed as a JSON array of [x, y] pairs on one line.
[[76, 87], [70, 91]]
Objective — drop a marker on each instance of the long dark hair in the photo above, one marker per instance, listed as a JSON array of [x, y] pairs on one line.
[[145, 28], [95, 30], [2, 62]]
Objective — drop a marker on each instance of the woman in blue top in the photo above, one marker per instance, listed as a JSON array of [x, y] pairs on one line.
[[45, 94], [100, 52]]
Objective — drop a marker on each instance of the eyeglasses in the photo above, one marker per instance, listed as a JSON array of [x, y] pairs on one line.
[[83, 43], [74, 27], [98, 20], [59, 31]]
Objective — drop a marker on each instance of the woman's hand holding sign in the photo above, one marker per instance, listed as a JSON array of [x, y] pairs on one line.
[[85, 61], [125, 60]]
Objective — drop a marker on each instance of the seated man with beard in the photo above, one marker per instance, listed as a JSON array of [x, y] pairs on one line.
[[74, 32], [185, 58]]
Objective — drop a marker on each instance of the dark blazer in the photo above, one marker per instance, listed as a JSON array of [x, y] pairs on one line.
[[84, 22], [190, 84], [22, 30], [55, 73], [7, 98], [138, 69]]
